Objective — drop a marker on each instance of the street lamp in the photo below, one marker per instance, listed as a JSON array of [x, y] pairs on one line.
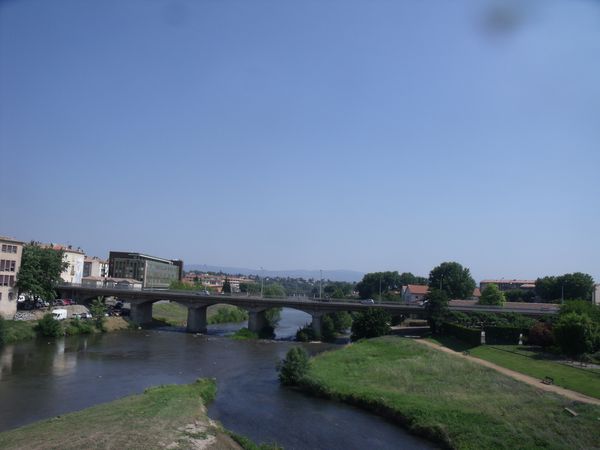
[[320, 283], [262, 282], [380, 287]]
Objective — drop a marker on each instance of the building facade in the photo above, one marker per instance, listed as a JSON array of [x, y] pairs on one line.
[[11, 252], [414, 293], [153, 272], [596, 295], [95, 267], [74, 257]]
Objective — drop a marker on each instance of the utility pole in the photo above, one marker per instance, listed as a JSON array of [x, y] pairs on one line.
[[380, 288], [321, 284], [262, 282]]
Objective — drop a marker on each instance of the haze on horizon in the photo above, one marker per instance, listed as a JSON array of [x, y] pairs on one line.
[[351, 135]]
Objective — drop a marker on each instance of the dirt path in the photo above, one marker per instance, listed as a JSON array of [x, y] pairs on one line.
[[517, 375]]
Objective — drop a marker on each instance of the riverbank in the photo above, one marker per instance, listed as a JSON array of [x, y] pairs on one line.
[[171, 416], [451, 401]]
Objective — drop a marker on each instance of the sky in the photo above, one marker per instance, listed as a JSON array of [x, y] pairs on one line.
[[341, 134]]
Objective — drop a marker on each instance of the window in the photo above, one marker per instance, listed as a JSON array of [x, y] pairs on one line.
[[2, 261], [11, 281], [13, 266], [4, 248]]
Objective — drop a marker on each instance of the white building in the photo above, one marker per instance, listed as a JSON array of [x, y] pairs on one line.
[[414, 293], [95, 267], [75, 258], [596, 295], [10, 261]]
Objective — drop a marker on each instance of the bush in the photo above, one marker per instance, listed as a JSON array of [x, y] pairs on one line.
[[370, 323], [294, 367], [98, 310], [244, 333], [328, 331], [342, 321], [228, 314], [468, 335], [77, 326], [305, 334], [576, 334], [492, 295], [581, 307], [541, 334], [48, 326], [2, 331]]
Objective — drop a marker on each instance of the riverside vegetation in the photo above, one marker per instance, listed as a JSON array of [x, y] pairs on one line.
[[171, 416], [453, 402]]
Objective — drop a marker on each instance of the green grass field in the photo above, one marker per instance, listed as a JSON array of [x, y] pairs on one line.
[[533, 362], [158, 417], [453, 401]]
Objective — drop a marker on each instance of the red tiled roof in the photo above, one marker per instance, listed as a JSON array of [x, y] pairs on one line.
[[417, 289]]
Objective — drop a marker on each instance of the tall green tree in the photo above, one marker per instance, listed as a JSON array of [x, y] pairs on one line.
[[570, 286], [274, 290], [436, 309], [371, 283], [492, 295], [452, 278], [40, 271], [226, 286]]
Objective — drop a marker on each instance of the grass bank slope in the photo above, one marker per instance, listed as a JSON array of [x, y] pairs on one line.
[[175, 314], [450, 400], [171, 416], [534, 362]]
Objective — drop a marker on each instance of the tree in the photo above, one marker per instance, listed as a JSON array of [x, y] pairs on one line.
[[342, 320], [371, 323], [370, 285], [98, 310], [328, 331], [294, 367], [575, 334], [40, 271], [572, 286], [436, 309], [226, 286], [581, 307], [274, 290], [408, 278], [455, 280], [492, 295]]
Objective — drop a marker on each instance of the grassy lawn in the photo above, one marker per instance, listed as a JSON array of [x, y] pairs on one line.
[[158, 417], [16, 330], [176, 315], [451, 400], [532, 362]]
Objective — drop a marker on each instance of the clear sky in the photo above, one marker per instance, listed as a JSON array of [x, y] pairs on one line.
[[340, 134]]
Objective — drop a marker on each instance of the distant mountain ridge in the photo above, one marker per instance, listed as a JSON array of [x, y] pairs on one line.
[[333, 275]]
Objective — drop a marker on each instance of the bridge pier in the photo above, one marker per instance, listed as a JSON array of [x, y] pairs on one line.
[[141, 313], [196, 319], [257, 320], [316, 324]]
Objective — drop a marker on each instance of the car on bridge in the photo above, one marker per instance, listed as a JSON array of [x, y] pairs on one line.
[[367, 301]]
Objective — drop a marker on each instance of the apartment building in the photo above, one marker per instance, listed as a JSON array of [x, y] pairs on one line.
[[95, 267], [75, 258], [152, 271], [11, 252]]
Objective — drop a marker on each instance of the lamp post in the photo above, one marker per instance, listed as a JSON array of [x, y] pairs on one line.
[[262, 282], [320, 283], [380, 287]]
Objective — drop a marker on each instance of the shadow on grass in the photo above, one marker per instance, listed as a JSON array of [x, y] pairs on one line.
[[453, 343]]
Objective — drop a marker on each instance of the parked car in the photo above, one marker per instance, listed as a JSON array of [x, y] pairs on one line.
[[58, 302], [368, 301]]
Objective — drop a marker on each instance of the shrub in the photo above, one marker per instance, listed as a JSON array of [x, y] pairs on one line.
[[492, 295], [305, 334], [328, 331], [98, 310], [2, 331], [342, 321], [581, 307], [575, 334], [468, 335], [370, 323], [244, 333], [294, 367], [541, 334], [77, 326], [48, 326]]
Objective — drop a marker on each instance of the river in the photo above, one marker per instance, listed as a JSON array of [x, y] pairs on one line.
[[44, 378]]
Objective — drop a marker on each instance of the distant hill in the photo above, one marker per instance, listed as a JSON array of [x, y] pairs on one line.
[[333, 275]]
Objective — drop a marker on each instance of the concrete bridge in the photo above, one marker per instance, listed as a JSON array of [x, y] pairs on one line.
[[141, 301]]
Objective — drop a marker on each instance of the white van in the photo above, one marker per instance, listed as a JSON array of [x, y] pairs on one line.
[[59, 314]]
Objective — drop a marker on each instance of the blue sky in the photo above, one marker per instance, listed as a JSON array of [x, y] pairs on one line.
[[363, 135]]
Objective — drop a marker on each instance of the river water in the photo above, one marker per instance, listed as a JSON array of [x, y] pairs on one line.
[[45, 378]]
